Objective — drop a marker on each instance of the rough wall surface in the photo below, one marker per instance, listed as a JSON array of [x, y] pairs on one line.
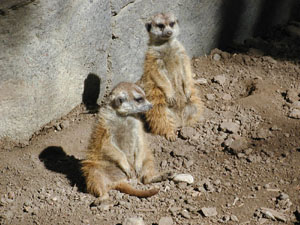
[[53, 52]]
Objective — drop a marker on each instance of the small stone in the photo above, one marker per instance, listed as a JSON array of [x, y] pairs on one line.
[[134, 221], [210, 97], [296, 105], [248, 151], [217, 57], [187, 178], [234, 218], [65, 124], [295, 114], [187, 132], [262, 134], [230, 127], [209, 211], [201, 81], [272, 214], [226, 97], [165, 221], [185, 214], [220, 79], [238, 145], [292, 96], [174, 210], [283, 196]]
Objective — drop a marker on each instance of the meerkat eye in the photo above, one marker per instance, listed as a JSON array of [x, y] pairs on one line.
[[139, 99], [119, 101], [161, 26], [172, 24]]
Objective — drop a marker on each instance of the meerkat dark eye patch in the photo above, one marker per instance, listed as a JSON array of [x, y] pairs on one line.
[[148, 26], [161, 26], [118, 101], [139, 99], [172, 24]]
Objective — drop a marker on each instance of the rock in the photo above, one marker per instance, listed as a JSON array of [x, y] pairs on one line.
[[165, 221], [295, 114], [272, 214], [234, 218], [210, 97], [201, 81], [134, 221], [226, 97], [292, 96], [217, 57], [220, 79], [230, 127], [283, 196], [187, 178], [185, 214], [209, 211], [296, 105], [187, 132], [238, 145], [65, 124], [174, 210], [262, 134]]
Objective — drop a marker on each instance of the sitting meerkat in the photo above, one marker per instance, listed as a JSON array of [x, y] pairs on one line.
[[118, 150], [167, 79]]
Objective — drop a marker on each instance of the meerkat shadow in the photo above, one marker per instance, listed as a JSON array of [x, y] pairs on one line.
[[91, 92], [55, 159]]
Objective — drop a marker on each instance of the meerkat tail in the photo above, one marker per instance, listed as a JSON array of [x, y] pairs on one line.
[[128, 189]]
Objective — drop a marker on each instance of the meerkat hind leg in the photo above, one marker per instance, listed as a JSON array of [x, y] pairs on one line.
[[160, 122], [192, 111]]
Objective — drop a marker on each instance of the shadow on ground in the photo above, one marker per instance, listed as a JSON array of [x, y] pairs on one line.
[[55, 159]]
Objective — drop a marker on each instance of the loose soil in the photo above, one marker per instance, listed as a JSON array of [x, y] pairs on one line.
[[244, 155]]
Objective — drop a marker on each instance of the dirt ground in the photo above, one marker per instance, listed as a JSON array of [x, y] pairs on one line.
[[244, 155]]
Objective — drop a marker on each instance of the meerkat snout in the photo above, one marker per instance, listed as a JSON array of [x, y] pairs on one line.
[[130, 101]]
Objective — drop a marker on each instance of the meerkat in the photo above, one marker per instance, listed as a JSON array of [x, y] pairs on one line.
[[118, 148], [168, 79]]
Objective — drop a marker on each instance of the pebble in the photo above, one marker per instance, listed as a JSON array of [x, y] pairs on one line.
[[226, 97], [283, 196], [165, 221], [292, 96], [201, 81], [187, 178], [210, 97], [296, 105], [234, 218], [209, 211], [238, 145], [187, 132], [217, 57], [220, 79], [134, 221], [295, 114], [230, 127], [272, 214], [185, 214]]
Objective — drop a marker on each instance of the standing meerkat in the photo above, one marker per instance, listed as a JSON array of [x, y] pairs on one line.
[[118, 150], [167, 79]]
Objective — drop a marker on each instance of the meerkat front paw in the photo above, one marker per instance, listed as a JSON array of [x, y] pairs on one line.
[[171, 136], [171, 100], [187, 94]]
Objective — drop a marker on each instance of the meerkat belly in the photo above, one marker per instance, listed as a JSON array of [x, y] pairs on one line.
[[127, 139], [174, 66]]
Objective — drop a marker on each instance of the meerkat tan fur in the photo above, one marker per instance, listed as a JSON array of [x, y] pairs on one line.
[[167, 79], [118, 150]]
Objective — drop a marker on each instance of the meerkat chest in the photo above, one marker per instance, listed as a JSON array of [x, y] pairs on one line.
[[127, 137]]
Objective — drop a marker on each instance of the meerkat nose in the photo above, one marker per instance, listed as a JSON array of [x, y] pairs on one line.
[[169, 33]]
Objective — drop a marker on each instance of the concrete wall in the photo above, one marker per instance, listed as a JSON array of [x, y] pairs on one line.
[[56, 54]]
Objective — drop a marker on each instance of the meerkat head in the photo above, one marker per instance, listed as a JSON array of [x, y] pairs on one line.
[[129, 99], [162, 27]]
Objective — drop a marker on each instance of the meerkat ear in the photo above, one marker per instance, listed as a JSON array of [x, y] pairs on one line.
[[148, 26]]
